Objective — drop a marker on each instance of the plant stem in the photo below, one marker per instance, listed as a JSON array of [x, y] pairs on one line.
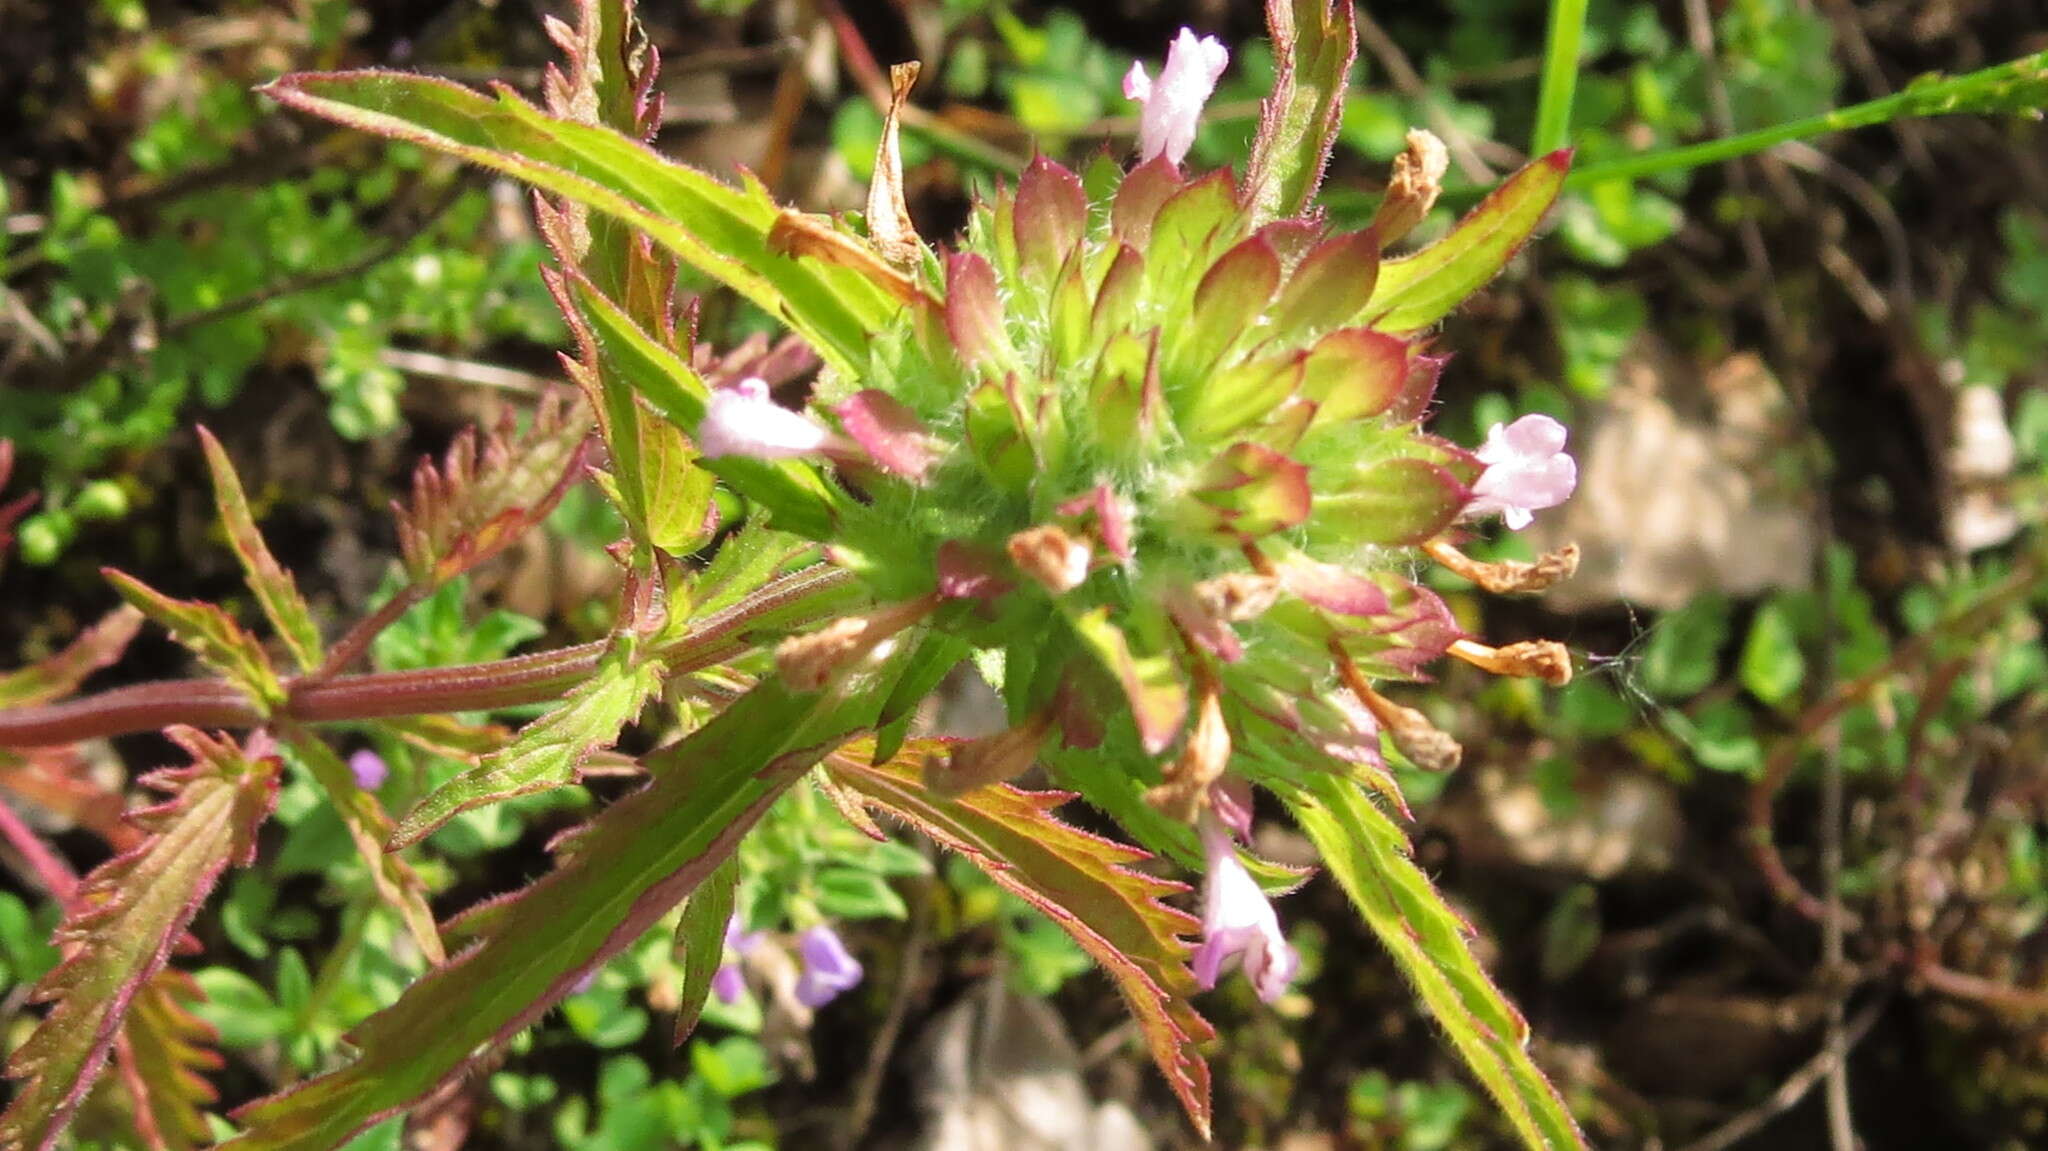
[[2016, 86], [782, 605], [1561, 52]]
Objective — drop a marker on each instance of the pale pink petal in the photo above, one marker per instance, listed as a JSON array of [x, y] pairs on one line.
[[1238, 921], [743, 420], [1173, 104], [1527, 470]]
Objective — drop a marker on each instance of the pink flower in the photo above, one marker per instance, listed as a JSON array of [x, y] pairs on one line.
[[828, 968], [743, 420], [1238, 920], [369, 769], [1527, 470], [729, 982], [1173, 104]]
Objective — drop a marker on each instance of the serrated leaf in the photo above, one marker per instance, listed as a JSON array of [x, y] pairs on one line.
[[1369, 856], [275, 590], [547, 752], [1314, 43], [170, 1050], [634, 862], [208, 632], [700, 942], [720, 230], [123, 920], [369, 828], [789, 489], [59, 676], [1419, 289], [487, 491], [1085, 884]]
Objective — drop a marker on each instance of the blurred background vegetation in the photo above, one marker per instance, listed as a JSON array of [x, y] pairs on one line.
[[1806, 391]]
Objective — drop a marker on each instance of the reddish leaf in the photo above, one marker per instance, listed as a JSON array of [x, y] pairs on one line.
[[632, 864], [1250, 491], [889, 432], [1395, 502], [1085, 884], [974, 311], [60, 675], [168, 1051], [1139, 199], [274, 587], [1051, 215], [1329, 286], [124, 919], [1228, 302], [1355, 373], [209, 633], [486, 493]]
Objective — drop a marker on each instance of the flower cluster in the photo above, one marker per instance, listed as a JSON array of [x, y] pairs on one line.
[[1166, 457], [828, 968]]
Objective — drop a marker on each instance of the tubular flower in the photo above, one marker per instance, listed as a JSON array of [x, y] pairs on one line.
[[369, 769], [743, 420], [729, 983], [1173, 103], [1527, 470], [828, 968], [1238, 920]]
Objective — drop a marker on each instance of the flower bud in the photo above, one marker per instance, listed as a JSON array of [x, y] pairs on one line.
[[1417, 180], [1050, 556]]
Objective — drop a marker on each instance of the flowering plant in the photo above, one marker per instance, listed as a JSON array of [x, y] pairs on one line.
[[1146, 446]]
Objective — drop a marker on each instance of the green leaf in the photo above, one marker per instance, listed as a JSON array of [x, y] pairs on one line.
[[1083, 883], [369, 828], [1683, 654], [632, 864], [59, 676], [1417, 290], [790, 489], [850, 893], [1314, 43], [1772, 665], [274, 587], [239, 1008], [123, 920], [547, 751], [719, 230], [700, 942], [1369, 857], [209, 633]]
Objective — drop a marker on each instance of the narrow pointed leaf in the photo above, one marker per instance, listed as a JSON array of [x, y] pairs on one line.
[[1314, 43], [275, 590], [219, 642], [1085, 884], [1369, 857], [1417, 290], [700, 941], [124, 918], [633, 863], [720, 230], [549, 750], [59, 676], [369, 827]]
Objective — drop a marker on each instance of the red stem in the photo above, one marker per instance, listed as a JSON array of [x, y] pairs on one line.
[[789, 602]]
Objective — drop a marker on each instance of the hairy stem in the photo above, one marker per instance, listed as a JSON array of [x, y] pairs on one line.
[[789, 602]]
